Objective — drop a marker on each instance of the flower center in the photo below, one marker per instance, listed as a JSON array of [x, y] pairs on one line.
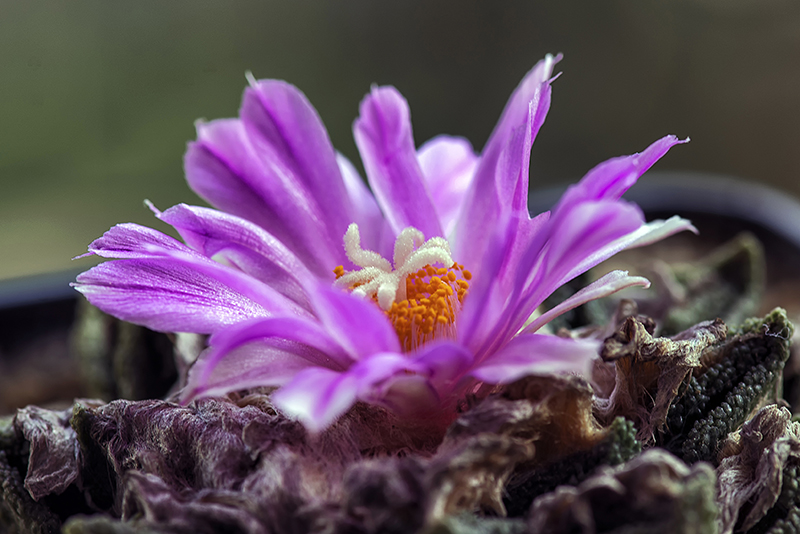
[[421, 295]]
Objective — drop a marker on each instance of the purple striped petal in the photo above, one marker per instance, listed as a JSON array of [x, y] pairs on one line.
[[250, 179], [602, 287], [164, 285], [536, 354], [513, 295], [448, 165], [655, 231], [303, 331], [356, 323], [165, 296], [519, 102], [129, 241], [584, 230], [375, 232], [486, 298], [385, 141], [610, 179], [282, 122], [244, 245], [317, 397], [579, 233], [501, 179], [644, 235], [249, 366], [445, 364]]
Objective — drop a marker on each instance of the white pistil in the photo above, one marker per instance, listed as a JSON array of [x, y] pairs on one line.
[[376, 276]]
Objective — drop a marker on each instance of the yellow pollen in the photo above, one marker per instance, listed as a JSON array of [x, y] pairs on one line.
[[433, 299], [416, 291]]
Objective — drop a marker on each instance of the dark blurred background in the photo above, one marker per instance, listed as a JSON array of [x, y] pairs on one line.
[[98, 98]]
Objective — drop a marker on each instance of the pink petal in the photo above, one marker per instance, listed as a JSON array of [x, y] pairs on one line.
[[250, 179], [384, 139], [249, 366], [610, 179], [536, 354], [448, 165], [317, 397], [164, 285], [375, 232], [245, 245], [356, 323], [165, 296], [501, 179], [272, 349], [602, 287], [281, 121]]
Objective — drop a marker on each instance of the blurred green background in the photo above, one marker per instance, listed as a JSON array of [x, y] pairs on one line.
[[98, 98]]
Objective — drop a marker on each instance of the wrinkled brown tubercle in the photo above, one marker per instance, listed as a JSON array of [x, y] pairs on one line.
[[719, 399], [654, 493], [758, 474], [650, 370]]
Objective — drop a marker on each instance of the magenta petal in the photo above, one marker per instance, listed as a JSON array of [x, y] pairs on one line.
[[375, 232], [448, 165], [445, 364], [587, 228], [657, 230], [579, 233], [644, 235], [536, 354], [518, 104], [245, 245], [165, 296], [487, 298], [317, 397], [165, 283], [384, 379], [602, 287], [249, 366], [226, 167], [610, 179], [501, 179], [129, 240], [384, 139], [356, 323], [305, 340], [283, 123]]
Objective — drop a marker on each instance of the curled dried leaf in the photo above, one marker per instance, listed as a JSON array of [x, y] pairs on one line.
[[650, 370], [654, 493], [752, 465]]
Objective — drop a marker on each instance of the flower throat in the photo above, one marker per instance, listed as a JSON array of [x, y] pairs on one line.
[[420, 299]]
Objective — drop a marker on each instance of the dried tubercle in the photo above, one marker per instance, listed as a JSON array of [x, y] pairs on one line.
[[654, 493], [742, 376], [650, 370], [757, 473]]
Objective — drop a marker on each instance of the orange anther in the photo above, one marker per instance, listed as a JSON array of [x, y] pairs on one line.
[[433, 299]]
